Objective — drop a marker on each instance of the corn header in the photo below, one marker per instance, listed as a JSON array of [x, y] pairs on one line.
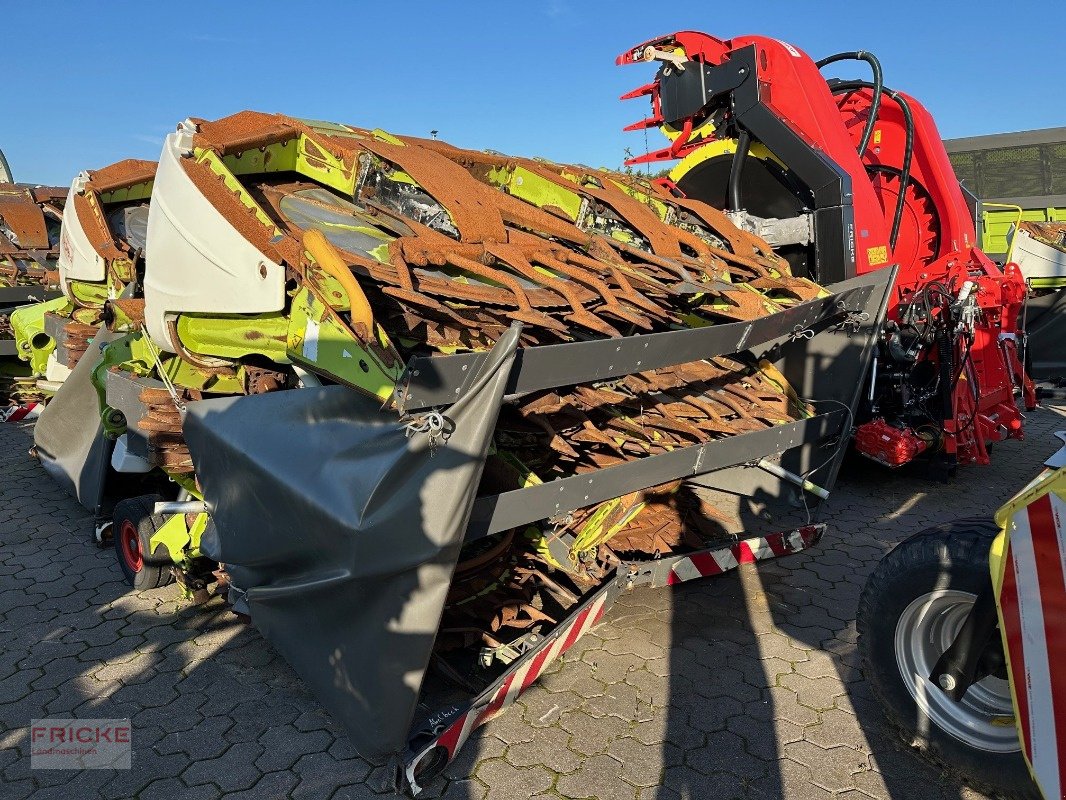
[[30, 219], [417, 407]]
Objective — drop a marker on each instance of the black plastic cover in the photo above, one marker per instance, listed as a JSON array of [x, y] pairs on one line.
[[340, 529], [69, 435]]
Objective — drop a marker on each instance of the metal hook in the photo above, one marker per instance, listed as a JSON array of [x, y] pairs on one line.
[[434, 424]]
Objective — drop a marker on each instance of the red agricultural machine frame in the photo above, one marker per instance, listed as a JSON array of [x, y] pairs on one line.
[[868, 164]]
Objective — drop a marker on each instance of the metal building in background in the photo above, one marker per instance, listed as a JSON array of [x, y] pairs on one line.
[[1026, 169]]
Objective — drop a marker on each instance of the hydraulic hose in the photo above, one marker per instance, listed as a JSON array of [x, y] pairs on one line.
[[945, 344], [878, 87], [736, 169], [842, 87], [327, 257], [947, 370]]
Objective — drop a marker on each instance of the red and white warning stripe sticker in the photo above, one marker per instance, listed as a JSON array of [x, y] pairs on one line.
[[1033, 607], [20, 413], [715, 562], [455, 735], [696, 565]]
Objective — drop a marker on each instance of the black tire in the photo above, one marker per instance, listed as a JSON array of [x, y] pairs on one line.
[[134, 525], [952, 556]]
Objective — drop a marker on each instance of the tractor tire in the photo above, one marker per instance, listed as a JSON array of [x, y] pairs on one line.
[[909, 612], [132, 531]]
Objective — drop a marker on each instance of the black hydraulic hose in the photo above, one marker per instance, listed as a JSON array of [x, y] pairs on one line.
[[736, 169], [945, 345], [947, 371], [878, 87], [841, 87]]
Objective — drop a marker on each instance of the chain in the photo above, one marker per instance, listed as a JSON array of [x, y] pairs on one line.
[[433, 424]]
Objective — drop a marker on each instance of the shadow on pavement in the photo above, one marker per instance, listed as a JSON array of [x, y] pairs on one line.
[[214, 709], [747, 685], [805, 723]]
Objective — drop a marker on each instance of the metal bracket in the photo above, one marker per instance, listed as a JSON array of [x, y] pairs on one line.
[[440, 381], [518, 507], [21, 295]]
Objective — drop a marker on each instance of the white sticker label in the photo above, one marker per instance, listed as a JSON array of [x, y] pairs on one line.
[[311, 340], [794, 52]]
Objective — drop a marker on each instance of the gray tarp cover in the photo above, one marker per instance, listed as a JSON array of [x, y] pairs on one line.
[[69, 435], [343, 533]]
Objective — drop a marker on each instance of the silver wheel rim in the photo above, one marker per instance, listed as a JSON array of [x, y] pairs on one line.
[[984, 718]]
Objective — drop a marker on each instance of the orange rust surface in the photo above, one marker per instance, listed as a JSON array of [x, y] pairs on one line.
[[132, 308], [22, 215], [96, 227], [48, 194], [471, 287], [471, 205], [244, 130], [121, 174], [1050, 233]]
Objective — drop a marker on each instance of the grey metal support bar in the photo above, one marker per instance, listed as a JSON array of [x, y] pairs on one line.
[[441, 381], [21, 295], [522, 506]]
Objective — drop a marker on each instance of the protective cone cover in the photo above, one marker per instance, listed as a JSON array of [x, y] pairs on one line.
[[69, 435], [342, 533]]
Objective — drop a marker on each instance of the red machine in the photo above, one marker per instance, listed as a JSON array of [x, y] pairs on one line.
[[844, 177], [892, 446]]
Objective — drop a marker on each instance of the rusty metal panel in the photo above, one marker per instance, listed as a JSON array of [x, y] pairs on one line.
[[440, 381]]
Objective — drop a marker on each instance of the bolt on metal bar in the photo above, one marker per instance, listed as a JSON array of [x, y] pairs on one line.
[[441, 381], [522, 506]]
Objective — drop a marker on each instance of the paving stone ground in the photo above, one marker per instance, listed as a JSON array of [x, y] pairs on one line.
[[741, 686]]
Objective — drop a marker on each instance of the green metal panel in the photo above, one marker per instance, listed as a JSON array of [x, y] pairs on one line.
[[27, 325], [235, 336], [181, 539], [319, 339], [997, 223], [531, 187], [127, 194]]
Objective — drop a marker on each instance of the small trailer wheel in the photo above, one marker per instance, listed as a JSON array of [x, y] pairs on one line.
[[910, 611], [132, 531]]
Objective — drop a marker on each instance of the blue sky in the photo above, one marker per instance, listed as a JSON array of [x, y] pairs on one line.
[[88, 83]]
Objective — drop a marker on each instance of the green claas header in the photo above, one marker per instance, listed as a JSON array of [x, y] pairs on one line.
[[410, 404]]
